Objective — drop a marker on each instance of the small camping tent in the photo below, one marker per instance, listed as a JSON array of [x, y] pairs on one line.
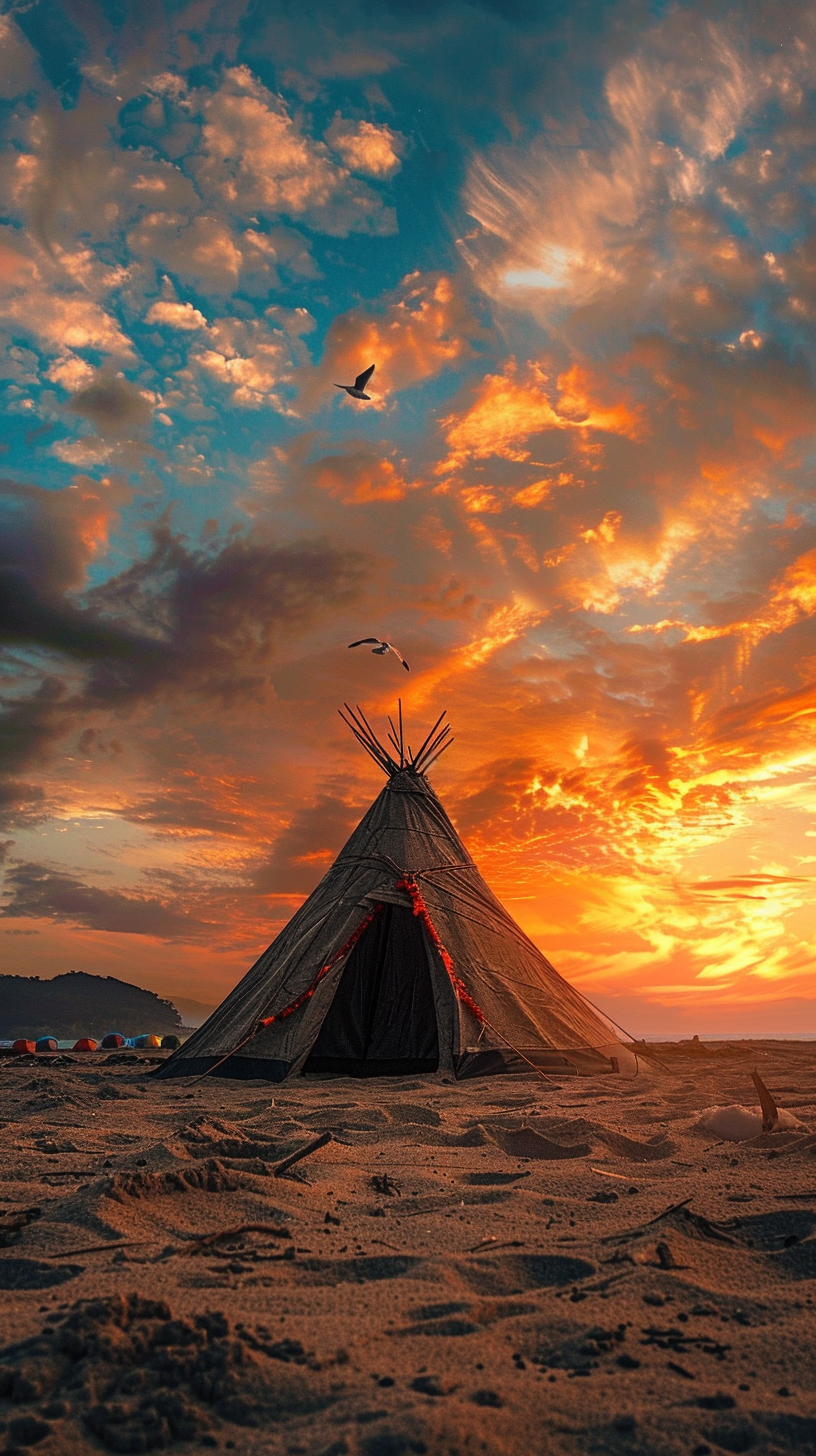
[[401, 961]]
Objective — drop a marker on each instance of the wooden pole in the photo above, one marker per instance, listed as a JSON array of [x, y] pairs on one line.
[[429, 761], [430, 750], [374, 737], [370, 749], [418, 755]]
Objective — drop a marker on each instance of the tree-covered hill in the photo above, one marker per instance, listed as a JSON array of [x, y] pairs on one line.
[[78, 1004]]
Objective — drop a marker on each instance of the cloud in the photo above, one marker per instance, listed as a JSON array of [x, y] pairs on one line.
[[249, 358], [375, 151], [425, 326], [29, 726], [172, 315], [508, 410], [358, 474], [16, 61], [500, 783], [182, 622], [35, 302], [201, 621], [70, 371], [636, 223], [306, 848], [791, 597], [37, 892], [117, 408], [28, 619], [208, 251], [261, 161], [50, 537]]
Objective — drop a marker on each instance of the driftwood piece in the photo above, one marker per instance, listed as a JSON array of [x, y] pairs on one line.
[[494, 1242], [207, 1242], [770, 1111], [101, 1248], [281, 1168]]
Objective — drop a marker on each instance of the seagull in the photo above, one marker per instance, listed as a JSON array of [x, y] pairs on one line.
[[381, 648], [357, 389]]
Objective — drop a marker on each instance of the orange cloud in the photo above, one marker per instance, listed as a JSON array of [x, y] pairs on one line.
[[175, 315], [358, 476], [260, 158], [790, 599], [508, 410], [426, 328], [364, 147]]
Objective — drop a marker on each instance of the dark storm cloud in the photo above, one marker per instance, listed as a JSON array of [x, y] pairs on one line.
[[30, 724], [44, 534], [182, 620], [114, 406], [209, 621], [202, 619], [36, 892], [58, 626]]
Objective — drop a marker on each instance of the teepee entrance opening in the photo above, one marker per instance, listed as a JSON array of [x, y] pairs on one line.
[[382, 1019]]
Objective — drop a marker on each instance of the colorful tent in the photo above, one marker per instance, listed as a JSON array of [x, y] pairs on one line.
[[47, 1044], [85, 1044], [23, 1048], [112, 1041], [401, 961], [148, 1040]]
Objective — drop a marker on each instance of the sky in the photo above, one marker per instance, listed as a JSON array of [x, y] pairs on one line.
[[577, 240]]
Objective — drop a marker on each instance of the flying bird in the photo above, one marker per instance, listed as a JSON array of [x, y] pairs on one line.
[[381, 648], [357, 389]]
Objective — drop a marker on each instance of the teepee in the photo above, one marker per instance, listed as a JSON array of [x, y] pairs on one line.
[[402, 960]]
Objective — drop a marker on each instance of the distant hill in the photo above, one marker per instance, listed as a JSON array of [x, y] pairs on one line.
[[194, 1013], [77, 1004]]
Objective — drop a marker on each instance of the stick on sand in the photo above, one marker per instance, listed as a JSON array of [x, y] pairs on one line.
[[281, 1168]]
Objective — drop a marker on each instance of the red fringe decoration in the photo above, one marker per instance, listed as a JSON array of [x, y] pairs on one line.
[[421, 909], [324, 971]]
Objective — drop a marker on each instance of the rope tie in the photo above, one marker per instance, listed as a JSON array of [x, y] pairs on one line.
[[421, 910]]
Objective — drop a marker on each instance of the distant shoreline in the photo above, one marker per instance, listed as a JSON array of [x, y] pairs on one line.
[[708, 1037]]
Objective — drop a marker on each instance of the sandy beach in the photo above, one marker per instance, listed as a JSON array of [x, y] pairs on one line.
[[505, 1265]]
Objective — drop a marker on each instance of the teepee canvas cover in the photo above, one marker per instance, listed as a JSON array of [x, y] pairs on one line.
[[402, 960]]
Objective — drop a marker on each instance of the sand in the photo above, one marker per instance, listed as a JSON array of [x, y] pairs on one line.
[[503, 1265]]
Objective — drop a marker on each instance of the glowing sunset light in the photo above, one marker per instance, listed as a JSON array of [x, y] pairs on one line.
[[552, 274]]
